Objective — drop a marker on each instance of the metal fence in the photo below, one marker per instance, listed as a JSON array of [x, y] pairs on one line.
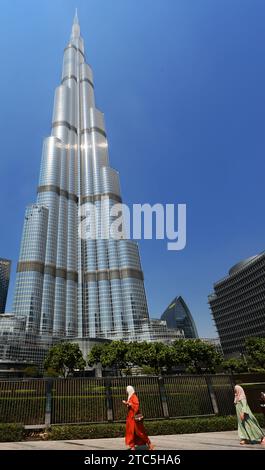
[[43, 402], [23, 401]]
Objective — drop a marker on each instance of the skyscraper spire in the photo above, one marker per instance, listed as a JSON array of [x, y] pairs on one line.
[[76, 17], [76, 26]]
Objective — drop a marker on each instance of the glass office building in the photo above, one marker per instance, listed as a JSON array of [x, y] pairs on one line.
[[177, 315], [238, 304], [68, 286], [5, 265]]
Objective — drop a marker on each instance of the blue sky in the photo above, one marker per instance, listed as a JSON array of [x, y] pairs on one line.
[[182, 86]]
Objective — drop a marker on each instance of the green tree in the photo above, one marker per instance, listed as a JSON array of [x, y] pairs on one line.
[[110, 355], [181, 353], [255, 349], [115, 355], [96, 354], [125, 356], [158, 356], [64, 358], [234, 365], [136, 353], [196, 355]]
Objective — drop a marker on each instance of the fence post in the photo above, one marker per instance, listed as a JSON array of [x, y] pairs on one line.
[[48, 405], [233, 381], [212, 395], [109, 400], [163, 397]]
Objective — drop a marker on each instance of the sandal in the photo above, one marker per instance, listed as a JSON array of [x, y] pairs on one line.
[[262, 441], [243, 442]]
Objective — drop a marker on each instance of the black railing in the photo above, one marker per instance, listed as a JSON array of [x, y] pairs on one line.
[[43, 402]]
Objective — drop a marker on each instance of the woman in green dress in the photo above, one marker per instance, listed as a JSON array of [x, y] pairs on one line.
[[249, 430]]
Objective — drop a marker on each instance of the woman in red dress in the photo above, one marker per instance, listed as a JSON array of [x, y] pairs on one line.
[[135, 434]]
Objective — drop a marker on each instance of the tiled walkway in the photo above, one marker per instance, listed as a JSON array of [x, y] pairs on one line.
[[201, 441]]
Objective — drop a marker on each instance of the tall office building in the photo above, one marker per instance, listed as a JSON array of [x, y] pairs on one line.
[[238, 304], [178, 316], [68, 286], [5, 265]]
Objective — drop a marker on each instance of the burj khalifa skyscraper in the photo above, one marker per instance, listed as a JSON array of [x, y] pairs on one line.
[[68, 286]]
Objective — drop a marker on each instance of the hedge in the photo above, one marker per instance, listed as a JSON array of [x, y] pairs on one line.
[[154, 428], [11, 432], [86, 431], [16, 432]]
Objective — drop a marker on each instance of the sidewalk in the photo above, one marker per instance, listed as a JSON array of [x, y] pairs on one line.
[[227, 440]]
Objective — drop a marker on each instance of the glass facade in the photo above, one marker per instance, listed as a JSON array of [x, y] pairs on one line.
[[178, 316], [238, 304], [5, 266], [68, 287]]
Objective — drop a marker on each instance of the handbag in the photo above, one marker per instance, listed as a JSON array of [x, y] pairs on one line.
[[138, 417]]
